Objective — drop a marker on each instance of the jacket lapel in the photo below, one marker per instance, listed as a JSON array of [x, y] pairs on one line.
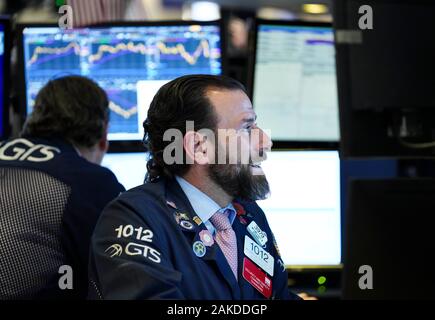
[[239, 226]]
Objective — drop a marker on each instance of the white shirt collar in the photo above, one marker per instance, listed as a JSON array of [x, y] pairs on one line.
[[202, 204]]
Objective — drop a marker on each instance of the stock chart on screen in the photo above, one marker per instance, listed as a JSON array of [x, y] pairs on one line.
[[129, 62]]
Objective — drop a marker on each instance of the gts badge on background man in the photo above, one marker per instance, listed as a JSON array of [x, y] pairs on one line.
[[24, 150]]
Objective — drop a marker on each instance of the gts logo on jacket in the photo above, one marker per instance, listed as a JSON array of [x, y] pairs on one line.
[[24, 150]]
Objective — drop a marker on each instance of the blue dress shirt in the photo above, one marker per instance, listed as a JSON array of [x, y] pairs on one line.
[[203, 205]]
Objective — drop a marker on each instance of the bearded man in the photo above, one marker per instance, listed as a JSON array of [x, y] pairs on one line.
[[193, 230]]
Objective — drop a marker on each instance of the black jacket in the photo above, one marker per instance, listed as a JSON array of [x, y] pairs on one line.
[[50, 200]]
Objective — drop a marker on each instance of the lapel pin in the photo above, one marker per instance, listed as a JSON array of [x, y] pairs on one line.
[[239, 208], [186, 224], [206, 238], [199, 249], [242, 220], [171, 204], [197, 220], [179, 216], [259, 236]]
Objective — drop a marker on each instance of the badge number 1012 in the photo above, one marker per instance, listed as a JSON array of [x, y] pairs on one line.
[[129, 231], [260, 256]]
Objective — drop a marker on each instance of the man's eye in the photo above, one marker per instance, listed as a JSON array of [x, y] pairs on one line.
[[248, 129]]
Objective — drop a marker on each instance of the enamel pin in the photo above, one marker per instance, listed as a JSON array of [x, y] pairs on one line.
[[186, 224], [171, 204], [179, 216], [206, 237], [199, 249], [197, 220]]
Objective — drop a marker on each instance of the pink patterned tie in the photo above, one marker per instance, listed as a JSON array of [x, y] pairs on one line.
[[226, 238]]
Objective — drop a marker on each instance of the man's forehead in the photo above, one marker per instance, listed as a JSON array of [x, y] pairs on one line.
[[232, 107], [230, 100]]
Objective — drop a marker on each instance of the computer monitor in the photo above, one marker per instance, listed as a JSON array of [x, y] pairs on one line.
[[129, 168], [294, 89], [385, 77], [4, 76], [303, 209], [129, 61], [389, 239]]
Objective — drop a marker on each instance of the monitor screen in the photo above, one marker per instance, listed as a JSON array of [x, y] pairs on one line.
[[303, 209], [294, 85], [129, 168], [129, 62]]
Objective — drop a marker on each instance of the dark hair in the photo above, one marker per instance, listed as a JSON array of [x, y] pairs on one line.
[[71, 108], [180, 100]]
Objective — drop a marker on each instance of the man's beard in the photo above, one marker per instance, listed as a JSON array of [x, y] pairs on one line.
[[238, 181]]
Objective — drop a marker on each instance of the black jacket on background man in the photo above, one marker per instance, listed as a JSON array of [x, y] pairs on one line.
[[50, 200]]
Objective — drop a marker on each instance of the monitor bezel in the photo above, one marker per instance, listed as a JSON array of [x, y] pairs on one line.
[[286, 144], [5, 21], [114, 145]]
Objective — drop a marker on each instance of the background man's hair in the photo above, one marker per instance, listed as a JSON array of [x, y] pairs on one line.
[[180, 100], [72, 108]]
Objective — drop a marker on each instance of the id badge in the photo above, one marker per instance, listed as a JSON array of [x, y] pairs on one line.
[[260, 256], [257, 278]]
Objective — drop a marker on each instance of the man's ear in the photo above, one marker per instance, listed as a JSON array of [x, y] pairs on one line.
[[195, 147], [103, 144]]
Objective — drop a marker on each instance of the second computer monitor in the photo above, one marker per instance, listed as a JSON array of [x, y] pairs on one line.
[[130, 62], [303, 209], [130, 168], [294, 89]]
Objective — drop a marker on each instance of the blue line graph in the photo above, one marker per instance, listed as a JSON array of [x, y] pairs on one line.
[[123, 111], [120, 57]]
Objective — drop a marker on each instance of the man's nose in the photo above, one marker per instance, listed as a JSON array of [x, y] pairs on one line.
[[265, 141]]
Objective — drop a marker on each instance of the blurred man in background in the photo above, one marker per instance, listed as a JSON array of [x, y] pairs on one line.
[[52, 190]]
